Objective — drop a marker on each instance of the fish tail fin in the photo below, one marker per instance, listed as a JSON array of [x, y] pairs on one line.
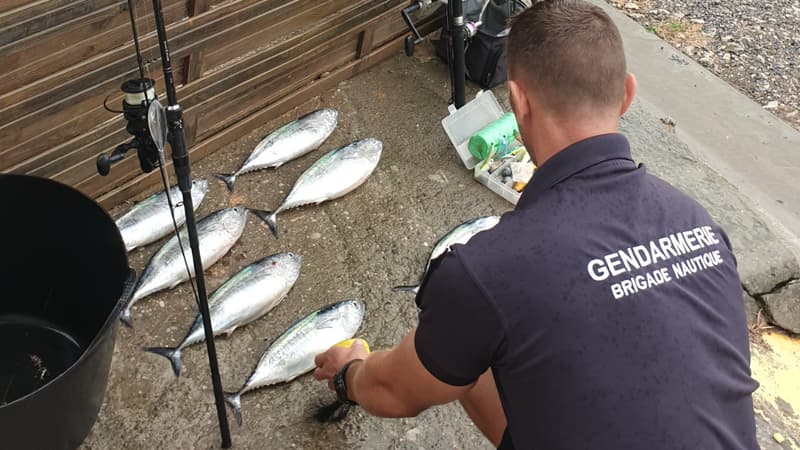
[[234, 400], [172, 354], [228, 178], [271, 218], [413, 289], [125, 317], [333, 412]]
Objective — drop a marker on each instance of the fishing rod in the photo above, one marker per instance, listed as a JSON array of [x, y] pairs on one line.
[[182, 167], [151, 125]]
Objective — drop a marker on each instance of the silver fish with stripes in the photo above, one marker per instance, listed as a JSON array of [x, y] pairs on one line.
[[246, 296], [293, 353], [288, 142], [216, 233], [460, 234], [150, 219], [332, 176]]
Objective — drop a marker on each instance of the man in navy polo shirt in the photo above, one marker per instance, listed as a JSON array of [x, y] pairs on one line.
[[604, 312]]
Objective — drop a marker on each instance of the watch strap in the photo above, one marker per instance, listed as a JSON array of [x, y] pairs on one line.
[[340, 385]]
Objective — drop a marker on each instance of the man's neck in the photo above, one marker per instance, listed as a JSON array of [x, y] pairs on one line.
[[550, 136]]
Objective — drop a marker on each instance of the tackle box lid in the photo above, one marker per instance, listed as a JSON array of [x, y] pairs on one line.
[[462, 123]]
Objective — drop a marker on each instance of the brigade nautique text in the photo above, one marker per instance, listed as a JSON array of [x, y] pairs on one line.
[[676, 249]]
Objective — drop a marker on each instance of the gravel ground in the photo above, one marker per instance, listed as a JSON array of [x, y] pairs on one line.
[[752, 44]]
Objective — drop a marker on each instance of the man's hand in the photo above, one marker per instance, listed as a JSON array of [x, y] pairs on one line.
[[329, 363], [391, 383]]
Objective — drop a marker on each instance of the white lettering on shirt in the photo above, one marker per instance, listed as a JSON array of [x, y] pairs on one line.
[[635, 258]]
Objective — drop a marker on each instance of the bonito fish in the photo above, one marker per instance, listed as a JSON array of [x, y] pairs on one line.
[[288, 142], [216, 233], [332, 176], [461, 234], [293, 353], [245, 297], [150, 219]]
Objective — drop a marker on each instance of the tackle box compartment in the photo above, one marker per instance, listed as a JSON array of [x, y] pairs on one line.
[[494, 180]]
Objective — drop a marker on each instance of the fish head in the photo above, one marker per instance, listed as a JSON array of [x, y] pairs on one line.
[[353, 312], [233, 220], [328, 115], [367, 149], [288, 259], [199, 189], [297, 259], [321, 123], [200, 185]]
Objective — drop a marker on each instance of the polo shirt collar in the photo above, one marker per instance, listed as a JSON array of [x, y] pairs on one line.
[[573, 159]]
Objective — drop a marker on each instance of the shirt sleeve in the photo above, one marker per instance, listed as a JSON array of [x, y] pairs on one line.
[[459, 330]]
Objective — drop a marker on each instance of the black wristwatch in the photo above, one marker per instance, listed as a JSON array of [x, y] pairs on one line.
[[340, 385]]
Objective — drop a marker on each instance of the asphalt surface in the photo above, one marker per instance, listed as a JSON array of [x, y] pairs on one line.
[[359, 246]]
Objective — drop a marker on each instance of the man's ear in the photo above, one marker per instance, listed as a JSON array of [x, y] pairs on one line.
[[630, 92], [519, 100]]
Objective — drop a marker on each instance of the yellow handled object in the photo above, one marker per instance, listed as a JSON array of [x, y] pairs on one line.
[[349, 343]]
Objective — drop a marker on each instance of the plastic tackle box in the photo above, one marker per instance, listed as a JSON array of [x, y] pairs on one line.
[[461, 124]]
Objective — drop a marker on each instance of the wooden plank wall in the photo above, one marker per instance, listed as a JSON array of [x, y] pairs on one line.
[[238, 64]]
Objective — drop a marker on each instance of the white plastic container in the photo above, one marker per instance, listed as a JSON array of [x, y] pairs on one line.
[[461, 124]]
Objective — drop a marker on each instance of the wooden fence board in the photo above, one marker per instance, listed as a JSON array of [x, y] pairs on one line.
[[251, 99], [238, 63], [281, 88], [145, 182], [8, 7], [87, 37], [257, 67], [43, 15], [275, 26], [195, 61], [185, 34]]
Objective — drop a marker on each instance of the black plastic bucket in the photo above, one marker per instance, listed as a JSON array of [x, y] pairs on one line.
[[64, 276]]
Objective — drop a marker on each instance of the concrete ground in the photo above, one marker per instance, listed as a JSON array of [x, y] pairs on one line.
[[362, 245]]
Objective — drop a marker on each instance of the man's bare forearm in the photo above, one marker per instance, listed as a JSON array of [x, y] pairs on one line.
[[391, 383], [378, 396]]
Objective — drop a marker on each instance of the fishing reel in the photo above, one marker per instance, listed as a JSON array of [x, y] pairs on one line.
[[139, 95], [415, 38]]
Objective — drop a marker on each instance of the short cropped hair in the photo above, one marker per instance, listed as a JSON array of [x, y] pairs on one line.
[[569, 54]]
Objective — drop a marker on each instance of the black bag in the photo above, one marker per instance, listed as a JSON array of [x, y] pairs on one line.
[[485, 60]]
